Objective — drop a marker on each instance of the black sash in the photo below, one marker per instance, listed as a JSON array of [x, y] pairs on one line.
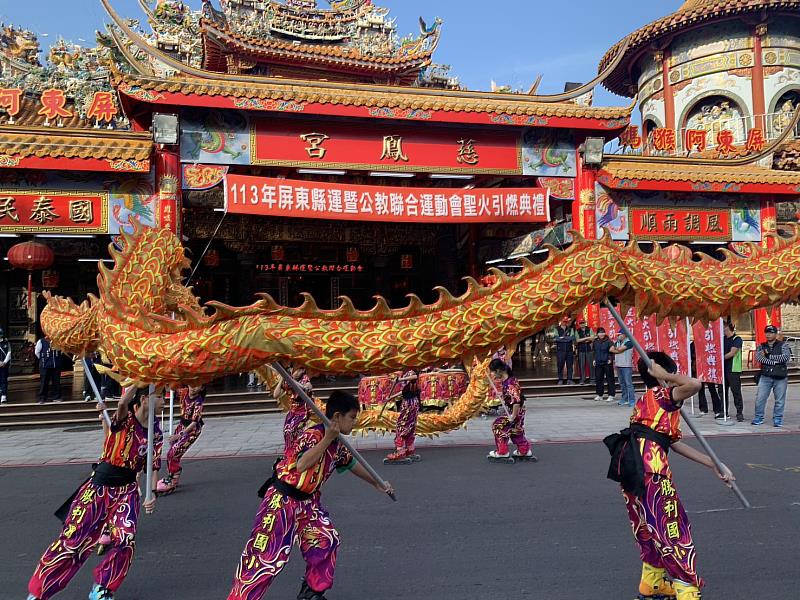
[[187, 422], [102, 474], [627, 467]]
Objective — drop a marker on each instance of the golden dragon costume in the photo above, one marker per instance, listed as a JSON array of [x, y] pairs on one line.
[[152, 329]]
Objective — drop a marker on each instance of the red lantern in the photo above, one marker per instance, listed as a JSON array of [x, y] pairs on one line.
[[30, 256], [211, 259], [352, 254], [406, 262], [277, 253]]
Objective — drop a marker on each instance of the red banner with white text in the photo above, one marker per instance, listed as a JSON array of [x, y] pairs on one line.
[[341, 201], [652, 337], [709, 351]]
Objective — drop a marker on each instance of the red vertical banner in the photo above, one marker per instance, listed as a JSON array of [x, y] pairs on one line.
[[709, 354], [608, 323], [646, 332], [675, 343], [168, 182]]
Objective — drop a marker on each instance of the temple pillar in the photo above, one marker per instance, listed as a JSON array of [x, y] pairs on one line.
[[757, 79], [769, 225], [584, 219], [168, 186], [669, 96]]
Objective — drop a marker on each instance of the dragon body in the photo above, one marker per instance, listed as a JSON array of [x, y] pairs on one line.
[[152, 329]]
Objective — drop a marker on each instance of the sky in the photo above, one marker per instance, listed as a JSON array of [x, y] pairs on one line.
[[508, 41]]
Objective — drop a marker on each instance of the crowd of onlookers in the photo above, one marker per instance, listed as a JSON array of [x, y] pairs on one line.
[[587, 356]]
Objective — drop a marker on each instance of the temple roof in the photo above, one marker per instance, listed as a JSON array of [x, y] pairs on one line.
[[17, 143], [691, 14], [705, 177], [373, 96]]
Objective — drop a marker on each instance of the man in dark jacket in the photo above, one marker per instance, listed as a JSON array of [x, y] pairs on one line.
[[774, 357], [603, 365], [565, 351], [49, 370]]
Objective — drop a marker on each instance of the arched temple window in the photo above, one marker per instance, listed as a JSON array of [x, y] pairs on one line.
[[717, 113]]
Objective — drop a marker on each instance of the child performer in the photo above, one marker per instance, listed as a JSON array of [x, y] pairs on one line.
[[291, 511], [659, 522], [110, 497], [406, 430], [511, 428], [298, 417], [186, 434]]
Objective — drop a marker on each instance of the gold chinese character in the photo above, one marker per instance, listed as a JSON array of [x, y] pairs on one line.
[[671, 509], [78, 513], [268, 522], [649, 222], [43, 210], [393, 148], [70, 531], [276, 500], [260, 543], [7, 209], [691, 222], [673, 531], [88, 496], [467, 153], [81, 211], [714, 224], [666, 488], [670, 223], [315, 150]]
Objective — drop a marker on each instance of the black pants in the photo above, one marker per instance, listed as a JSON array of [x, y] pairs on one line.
[[4, 381], [564, 359], [716, 397], [733, 381], [50, 377], [605, 372]]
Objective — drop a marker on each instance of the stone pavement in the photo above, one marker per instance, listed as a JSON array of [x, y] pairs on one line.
[[548, 420]]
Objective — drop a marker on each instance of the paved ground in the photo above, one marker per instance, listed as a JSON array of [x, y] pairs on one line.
[[548, 419], [462, 530]]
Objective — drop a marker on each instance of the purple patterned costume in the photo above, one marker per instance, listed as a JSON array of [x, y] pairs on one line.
[[659, 522], [191, 412], [504, 428], [406, 429], [282, 521], [95, 507], [298, 417]]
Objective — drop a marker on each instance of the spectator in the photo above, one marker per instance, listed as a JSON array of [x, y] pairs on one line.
[[603, 365], [733, 370], [774, 357], [623, 361], [565, 351], [5, 365], [583, 341], [49, 370]]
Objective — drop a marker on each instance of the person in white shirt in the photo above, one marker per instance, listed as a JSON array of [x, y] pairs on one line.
[[623, 361]]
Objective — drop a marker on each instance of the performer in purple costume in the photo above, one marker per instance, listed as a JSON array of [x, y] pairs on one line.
[[291, 511], [109, 498]]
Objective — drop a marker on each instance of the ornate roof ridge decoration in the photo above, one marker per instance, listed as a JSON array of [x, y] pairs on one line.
[[199, 73], [739, 161], [225, 35], [371, 95], [49, 142], [625, 171], [690, 15]]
